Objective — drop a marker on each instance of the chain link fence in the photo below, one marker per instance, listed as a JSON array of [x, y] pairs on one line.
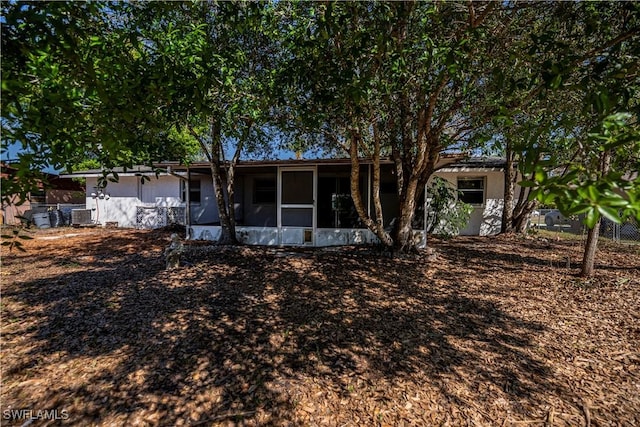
[[626, 232], [553, 220]]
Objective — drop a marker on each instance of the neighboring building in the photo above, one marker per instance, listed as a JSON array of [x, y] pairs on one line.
[[284, 202], [63, 191], [55, 191], [9, 212]]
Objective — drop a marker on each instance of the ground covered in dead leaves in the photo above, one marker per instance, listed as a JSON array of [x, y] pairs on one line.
[[488, 331]]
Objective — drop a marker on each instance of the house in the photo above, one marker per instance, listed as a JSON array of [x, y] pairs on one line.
[[52, 192], [284, 202], [480, 181]]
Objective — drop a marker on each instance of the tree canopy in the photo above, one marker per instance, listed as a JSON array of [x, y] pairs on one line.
[[550, 85]]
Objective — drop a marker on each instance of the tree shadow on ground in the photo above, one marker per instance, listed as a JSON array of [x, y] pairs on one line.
[[235, 336], [478, 255]]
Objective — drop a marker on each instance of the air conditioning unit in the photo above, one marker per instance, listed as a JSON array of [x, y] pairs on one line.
[[80, 217]]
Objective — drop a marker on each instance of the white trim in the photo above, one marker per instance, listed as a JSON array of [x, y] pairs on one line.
[[270, 236], [368, 191], [467, 169], [279, 205], [483, 190]]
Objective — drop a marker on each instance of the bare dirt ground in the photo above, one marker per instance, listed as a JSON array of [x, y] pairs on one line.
[[489, 331]]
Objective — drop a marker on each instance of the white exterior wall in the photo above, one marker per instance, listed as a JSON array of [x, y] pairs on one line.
[[486, 219], [269, 236], [129, 193]]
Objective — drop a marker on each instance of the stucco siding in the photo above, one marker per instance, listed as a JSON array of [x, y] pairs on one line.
[[127, 194], [485, 219]]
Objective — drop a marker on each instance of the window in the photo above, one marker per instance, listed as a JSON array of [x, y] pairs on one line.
[[297, 187], [194, 191], [264, 191], [471, 190]]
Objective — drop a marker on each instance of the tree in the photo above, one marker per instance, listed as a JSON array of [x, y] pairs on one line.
[[597, 178], [132, 83], [136, 83], [74, 88], [210, 65], [390, 79], [596, 182], [559, 62], [525, 139]]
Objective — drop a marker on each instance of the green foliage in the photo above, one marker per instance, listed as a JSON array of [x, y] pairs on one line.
[[571, 65], [587, 186], [446, 215], [127, 83], [13, 240], [593, 168], [75, 87], [211, 64], [390, 79]]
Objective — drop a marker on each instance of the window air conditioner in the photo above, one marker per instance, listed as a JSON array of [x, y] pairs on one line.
[[80, 216]]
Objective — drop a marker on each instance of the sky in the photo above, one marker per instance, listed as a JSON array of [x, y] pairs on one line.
[[10, 154]]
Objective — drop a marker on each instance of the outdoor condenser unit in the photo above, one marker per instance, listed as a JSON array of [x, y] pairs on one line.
[[80, 216]]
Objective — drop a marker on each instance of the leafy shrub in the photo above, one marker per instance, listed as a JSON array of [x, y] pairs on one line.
[[446, 215]]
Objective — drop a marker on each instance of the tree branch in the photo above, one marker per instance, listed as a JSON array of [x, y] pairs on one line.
[[203, 144]]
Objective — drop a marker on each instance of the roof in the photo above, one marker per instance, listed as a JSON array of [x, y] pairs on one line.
[[445, 158], [486, 163], [448, 162], [8, 169], [94, 173]]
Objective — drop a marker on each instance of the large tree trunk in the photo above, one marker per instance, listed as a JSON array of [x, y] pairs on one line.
[[410, 193], [510, 177], [515, 213], [377, 226], [228, 233], [216, 160], [403, 230], [589, 258], [522, 210], [522, 214], [230, 177]]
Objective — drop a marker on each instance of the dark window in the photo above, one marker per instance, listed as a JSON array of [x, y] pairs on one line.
[[335, 206], [297, 187], [471, 190], [194, 191], [297, 217], [264, 191], [389, 187]]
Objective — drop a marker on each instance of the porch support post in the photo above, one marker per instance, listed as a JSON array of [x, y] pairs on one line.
[[279, 203], [424, 214], [187, 198], [369, 190], [314, 210]]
